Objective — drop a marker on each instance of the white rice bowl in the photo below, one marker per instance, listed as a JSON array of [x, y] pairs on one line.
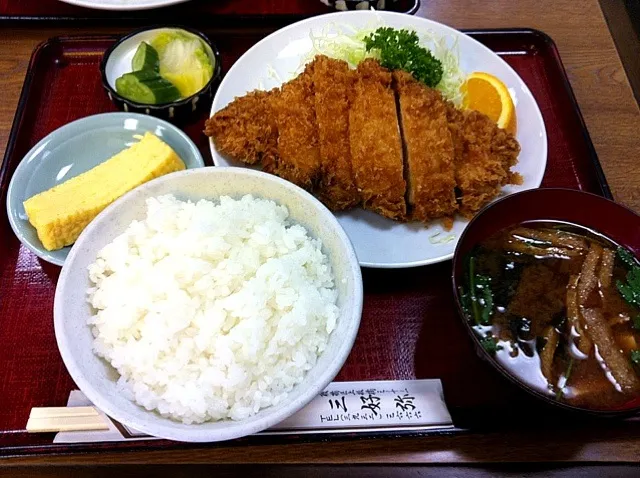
[[103, 384], [212, 310]]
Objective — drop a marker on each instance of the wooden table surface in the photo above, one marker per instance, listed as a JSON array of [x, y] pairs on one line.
[[613, 120]]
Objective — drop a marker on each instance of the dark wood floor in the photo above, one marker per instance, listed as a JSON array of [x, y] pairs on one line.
[[623, 18]]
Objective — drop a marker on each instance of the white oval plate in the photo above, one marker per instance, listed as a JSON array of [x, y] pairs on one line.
[[123, 4], [381, 242]]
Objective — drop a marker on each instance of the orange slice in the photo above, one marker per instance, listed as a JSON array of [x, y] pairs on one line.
[[487, 94]]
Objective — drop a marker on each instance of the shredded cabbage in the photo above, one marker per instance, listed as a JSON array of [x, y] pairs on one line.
[[436, 239], [453, 77], [342, 42], [273, 74], [345, 42]]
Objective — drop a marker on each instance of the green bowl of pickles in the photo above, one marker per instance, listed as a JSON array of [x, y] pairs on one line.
[[168, 72]]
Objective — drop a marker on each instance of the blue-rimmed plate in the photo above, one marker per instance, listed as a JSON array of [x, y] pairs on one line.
[[74, 149]]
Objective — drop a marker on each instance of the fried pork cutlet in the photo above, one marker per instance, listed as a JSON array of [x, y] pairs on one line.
[[298, 150], [484, 155], [245, 130], [429, 150], [376, 148], [332, 82], [340, 134]]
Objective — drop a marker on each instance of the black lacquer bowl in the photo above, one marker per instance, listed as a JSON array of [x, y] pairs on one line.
[[595, 213]]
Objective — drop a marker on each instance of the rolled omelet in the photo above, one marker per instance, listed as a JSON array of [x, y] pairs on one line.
[[61, 213]]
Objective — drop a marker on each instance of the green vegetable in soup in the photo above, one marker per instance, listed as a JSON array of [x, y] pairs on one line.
[[490, 344], [479, 301], [626, 257], [630, 290]]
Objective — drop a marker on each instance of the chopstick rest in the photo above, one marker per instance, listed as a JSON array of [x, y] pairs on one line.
[[65, 419]]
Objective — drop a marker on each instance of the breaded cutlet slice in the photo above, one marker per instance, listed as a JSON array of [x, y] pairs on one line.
[[295, 115], [245, 129], [429, 150], [484, 156], [332, 82], [376, 147]]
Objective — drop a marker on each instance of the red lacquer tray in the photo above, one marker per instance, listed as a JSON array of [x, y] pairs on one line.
[[409, 326], [200, 12]]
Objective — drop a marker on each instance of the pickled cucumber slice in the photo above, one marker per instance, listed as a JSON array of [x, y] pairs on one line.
[[145, 58], [147, 87]]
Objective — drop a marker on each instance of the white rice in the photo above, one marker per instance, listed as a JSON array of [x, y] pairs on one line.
[[212, 311]]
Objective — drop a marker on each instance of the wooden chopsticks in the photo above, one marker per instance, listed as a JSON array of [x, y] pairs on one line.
[[65, 419]]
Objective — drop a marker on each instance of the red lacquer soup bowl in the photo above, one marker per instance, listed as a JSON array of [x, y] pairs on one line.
[[601, 216]]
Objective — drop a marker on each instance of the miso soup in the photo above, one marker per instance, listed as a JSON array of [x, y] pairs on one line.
[[557, 306]]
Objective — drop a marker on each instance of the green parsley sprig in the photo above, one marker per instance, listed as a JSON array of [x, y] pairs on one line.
[[400, 50]]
